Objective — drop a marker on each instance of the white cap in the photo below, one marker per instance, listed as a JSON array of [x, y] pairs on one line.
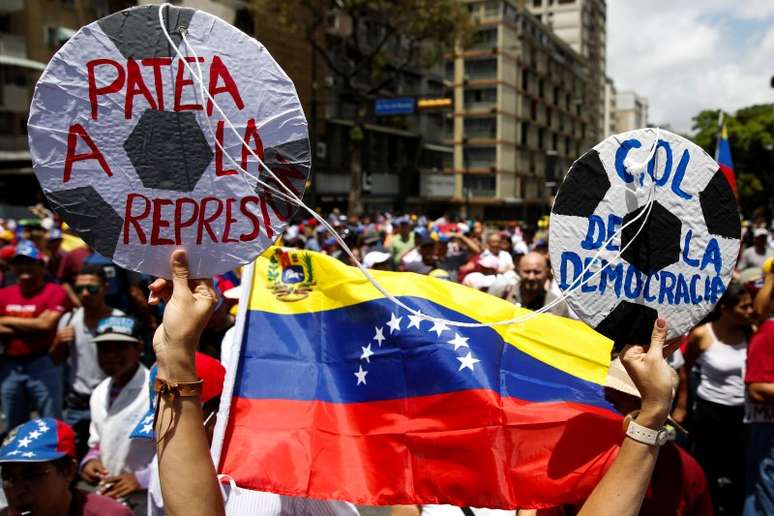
[[375, 257], [757, 232], [490, 262]]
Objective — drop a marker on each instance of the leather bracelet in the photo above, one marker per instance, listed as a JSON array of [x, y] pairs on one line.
[[174, 390]]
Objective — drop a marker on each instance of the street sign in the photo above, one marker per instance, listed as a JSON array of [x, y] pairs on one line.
[[397, 106]]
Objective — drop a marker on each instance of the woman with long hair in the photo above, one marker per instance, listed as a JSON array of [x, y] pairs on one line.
[[719, 349]]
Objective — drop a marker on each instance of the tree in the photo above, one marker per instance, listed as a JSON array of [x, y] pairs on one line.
[[751, 135], [367, 45]]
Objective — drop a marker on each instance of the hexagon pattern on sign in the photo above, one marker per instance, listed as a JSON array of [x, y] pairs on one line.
[[89, 215], [658, 244], [168, 150], [584, 187], [290, 163], [719, 208], [136, 32], [628, 323]]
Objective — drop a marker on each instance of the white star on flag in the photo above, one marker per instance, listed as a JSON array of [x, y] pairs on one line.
[[43, 428], [147, 428], [24, 442], [147, 419], [28, 454], [367, 353], [361, 374], [414, 320], [467, 361], [14, 452], [394, 323], [34, 434], [438, 327], [459, 341], [379, 337]]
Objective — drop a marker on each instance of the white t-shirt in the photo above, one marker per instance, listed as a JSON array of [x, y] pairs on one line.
[[84, 371]]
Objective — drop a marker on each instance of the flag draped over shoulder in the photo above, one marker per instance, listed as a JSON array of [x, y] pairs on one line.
[[723, 157], [340, 394]]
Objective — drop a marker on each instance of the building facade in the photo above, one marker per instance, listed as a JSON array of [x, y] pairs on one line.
[[519, 120], [631, 111], [609, 118], [583, 25]]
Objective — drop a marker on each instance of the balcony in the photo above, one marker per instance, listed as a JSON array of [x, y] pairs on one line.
[[12, 45], [14, 99], [332, 183]]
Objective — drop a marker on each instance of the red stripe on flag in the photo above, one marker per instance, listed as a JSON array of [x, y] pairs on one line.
[[455, 448], [730, 177]]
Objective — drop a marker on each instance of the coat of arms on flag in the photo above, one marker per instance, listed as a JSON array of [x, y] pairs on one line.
[[290, 275]]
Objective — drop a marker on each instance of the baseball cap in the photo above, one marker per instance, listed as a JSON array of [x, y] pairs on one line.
[[207, 368], [426, 241], [26, 250], [55, 234], [375, 257], [402, 220], [38, 440], [6, 235], [7, 252], [118, 328], [489, 262]]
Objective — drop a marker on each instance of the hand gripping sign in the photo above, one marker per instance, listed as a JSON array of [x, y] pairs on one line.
[[124, 140], [630, 260]]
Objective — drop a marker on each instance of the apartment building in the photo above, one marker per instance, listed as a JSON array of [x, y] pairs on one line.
[[631, 111], [610, 107], [519, 117], [583, 25]]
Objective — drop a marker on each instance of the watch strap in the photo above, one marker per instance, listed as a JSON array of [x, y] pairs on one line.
[[644, 434], [177, 389]]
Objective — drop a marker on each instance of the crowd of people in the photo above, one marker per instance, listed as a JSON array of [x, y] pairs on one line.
[[76, 382]]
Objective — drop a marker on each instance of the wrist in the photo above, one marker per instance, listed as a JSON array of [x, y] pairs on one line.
[[652, 417], [176, 367]]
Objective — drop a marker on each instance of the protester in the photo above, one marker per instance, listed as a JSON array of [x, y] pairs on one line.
[[401, 241], [720, 349], [758, 253], [494, 247], [118, 466], [38, 469], [29, 313], [377, 260], [182, 440], [212, 374], [75, 338], [428, 259], [759, 412], [532, 290]]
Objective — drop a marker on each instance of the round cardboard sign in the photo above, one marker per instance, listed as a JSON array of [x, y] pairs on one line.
[[681, 261], [123, 140]]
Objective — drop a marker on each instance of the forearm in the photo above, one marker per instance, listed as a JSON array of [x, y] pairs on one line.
[[188, 479], [25, 325], [761, 392], [5, 330], [622, 489]]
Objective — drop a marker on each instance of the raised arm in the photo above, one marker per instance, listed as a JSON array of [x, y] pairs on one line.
[[622, 489], [762, 302], [188, 480]]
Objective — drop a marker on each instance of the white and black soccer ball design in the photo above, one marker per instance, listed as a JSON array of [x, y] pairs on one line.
[[682, 260], [119, 87]]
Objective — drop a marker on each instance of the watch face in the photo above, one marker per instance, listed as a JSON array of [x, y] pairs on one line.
[[662, 437]]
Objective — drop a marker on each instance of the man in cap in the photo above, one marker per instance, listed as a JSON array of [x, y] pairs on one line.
[[75, 337], [38, 468], [377, 260], [54, 252], [401, 241], [428, 259], [29, 313], [117, 465], [756, 255]]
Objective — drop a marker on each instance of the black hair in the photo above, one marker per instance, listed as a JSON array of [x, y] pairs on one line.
[[94, 270], [729, 299]]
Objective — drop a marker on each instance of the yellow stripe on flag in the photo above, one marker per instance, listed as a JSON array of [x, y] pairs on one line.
[[565, 344]]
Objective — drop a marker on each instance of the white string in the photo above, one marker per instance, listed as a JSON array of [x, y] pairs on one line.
[[294, 199]]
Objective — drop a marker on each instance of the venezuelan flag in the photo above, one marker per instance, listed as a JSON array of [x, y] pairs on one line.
[[723, 157], [340, 394]]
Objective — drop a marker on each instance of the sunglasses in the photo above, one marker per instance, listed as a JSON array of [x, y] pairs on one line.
[[92, 289]]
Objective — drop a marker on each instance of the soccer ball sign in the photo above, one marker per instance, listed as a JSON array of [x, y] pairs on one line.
[[123, 140], [681, 261]]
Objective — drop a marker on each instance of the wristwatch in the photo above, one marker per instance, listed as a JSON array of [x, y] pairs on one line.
[[643, 434]]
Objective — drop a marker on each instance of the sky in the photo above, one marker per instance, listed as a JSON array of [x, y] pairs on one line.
[[690, 55]]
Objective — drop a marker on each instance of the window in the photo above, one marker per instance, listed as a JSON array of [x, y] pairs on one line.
[[481, 69], [537, 3], [479, 185], [480, 98], [480, 128], [479, 157]]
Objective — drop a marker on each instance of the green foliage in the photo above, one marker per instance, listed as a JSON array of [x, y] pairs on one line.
[[367, 44], [751, 136]]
